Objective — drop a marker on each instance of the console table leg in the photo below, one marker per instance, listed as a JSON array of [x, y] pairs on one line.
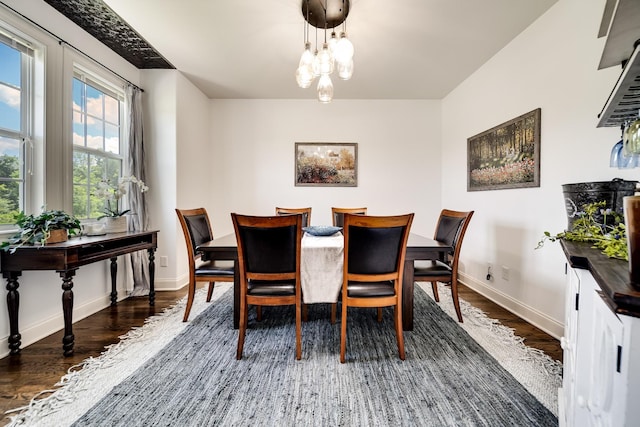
[[13, 302], [67, 309], [114, 275], [152, 276]]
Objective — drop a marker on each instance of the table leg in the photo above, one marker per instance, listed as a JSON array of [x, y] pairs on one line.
[[236, 295], [13, 302], [67, 310], [152, 276], [407, 296], [114, 275]]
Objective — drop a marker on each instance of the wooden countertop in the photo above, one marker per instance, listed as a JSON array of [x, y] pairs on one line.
[[612, 275]]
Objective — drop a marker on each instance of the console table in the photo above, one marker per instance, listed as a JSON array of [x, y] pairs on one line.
[[65, 258]]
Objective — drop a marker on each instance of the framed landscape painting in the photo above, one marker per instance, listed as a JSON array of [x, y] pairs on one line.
[[506, 156], [326, 164]]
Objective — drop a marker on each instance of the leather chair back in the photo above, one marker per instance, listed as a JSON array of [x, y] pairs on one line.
[[374, 250], [269, 250], [451, 229], [199, 230]]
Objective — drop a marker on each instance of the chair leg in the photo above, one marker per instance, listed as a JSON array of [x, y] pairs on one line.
[[343, 333], [456, 301], [242, 330], [379, 314], [305, 312], [399, 335], [210, 291], [298, 331], [334, 312], [259, 313], [190, 295], [434, 286]]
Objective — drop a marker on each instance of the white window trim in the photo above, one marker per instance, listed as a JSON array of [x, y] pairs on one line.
[[34, 123], [110, 84]]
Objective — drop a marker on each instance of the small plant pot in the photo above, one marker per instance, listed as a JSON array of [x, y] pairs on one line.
[[115, 224], [57, 236]]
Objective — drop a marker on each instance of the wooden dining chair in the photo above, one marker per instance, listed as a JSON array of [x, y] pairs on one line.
[[374, 253], [305, 212], [451, 228], [269, 264], [197, 230], [338, 214]]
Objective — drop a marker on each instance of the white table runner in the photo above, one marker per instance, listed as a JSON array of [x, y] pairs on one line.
[[321, 263]]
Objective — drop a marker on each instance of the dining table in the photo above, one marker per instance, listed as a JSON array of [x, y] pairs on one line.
[[225, 248]]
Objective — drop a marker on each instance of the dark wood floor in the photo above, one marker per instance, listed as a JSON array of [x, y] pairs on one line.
[[40, 365]]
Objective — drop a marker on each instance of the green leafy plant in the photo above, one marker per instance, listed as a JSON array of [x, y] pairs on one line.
[[37, 229], [609, 235]]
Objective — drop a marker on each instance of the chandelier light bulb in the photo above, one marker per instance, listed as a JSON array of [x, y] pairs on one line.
[[345, 71], [307, 56], [304, 72], [304, 76], [325, 60], [315, 64], [344, 49], [325, 89], [333, 42]]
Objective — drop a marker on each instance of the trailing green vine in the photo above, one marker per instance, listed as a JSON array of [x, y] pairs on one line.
[[35, 230], [610, 235]]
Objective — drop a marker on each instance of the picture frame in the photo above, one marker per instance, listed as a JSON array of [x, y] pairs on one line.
[[326, 164], [506, 156]]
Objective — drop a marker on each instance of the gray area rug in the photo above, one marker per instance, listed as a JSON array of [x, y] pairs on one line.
[[446, 380]]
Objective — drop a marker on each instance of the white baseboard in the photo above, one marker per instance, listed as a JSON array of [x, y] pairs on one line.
[[531, 315], [55, 323], [171, 284]]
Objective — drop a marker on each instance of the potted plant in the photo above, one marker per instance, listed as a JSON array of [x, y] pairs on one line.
[[113, 217], [608, 235], [51, 226]]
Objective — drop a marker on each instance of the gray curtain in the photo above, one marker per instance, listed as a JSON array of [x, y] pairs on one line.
[[139, 219]]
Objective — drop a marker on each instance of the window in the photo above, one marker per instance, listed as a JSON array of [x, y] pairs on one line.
[[16, 129], [97, 142]]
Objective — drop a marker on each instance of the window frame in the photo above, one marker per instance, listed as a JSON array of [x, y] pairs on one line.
[[32, 57], [111, 87]]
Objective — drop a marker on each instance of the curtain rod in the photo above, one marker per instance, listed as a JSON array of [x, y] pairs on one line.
[[61, 41]]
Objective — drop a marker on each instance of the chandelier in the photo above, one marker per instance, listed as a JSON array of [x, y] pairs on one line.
[[336, 53]]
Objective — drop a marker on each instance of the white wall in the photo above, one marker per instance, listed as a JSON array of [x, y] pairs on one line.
[[179, 156], [253, 157], [551, 65], [194, 155]]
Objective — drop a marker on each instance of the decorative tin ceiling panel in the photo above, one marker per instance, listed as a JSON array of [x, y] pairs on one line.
[[95, 17]]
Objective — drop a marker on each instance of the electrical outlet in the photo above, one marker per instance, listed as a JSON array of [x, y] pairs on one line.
[[164, 261], [505, 273]]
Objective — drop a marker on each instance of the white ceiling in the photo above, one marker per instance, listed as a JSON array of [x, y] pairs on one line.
[[404, 49]]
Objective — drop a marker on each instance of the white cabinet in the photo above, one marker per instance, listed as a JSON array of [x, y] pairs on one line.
[[601, 374]]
